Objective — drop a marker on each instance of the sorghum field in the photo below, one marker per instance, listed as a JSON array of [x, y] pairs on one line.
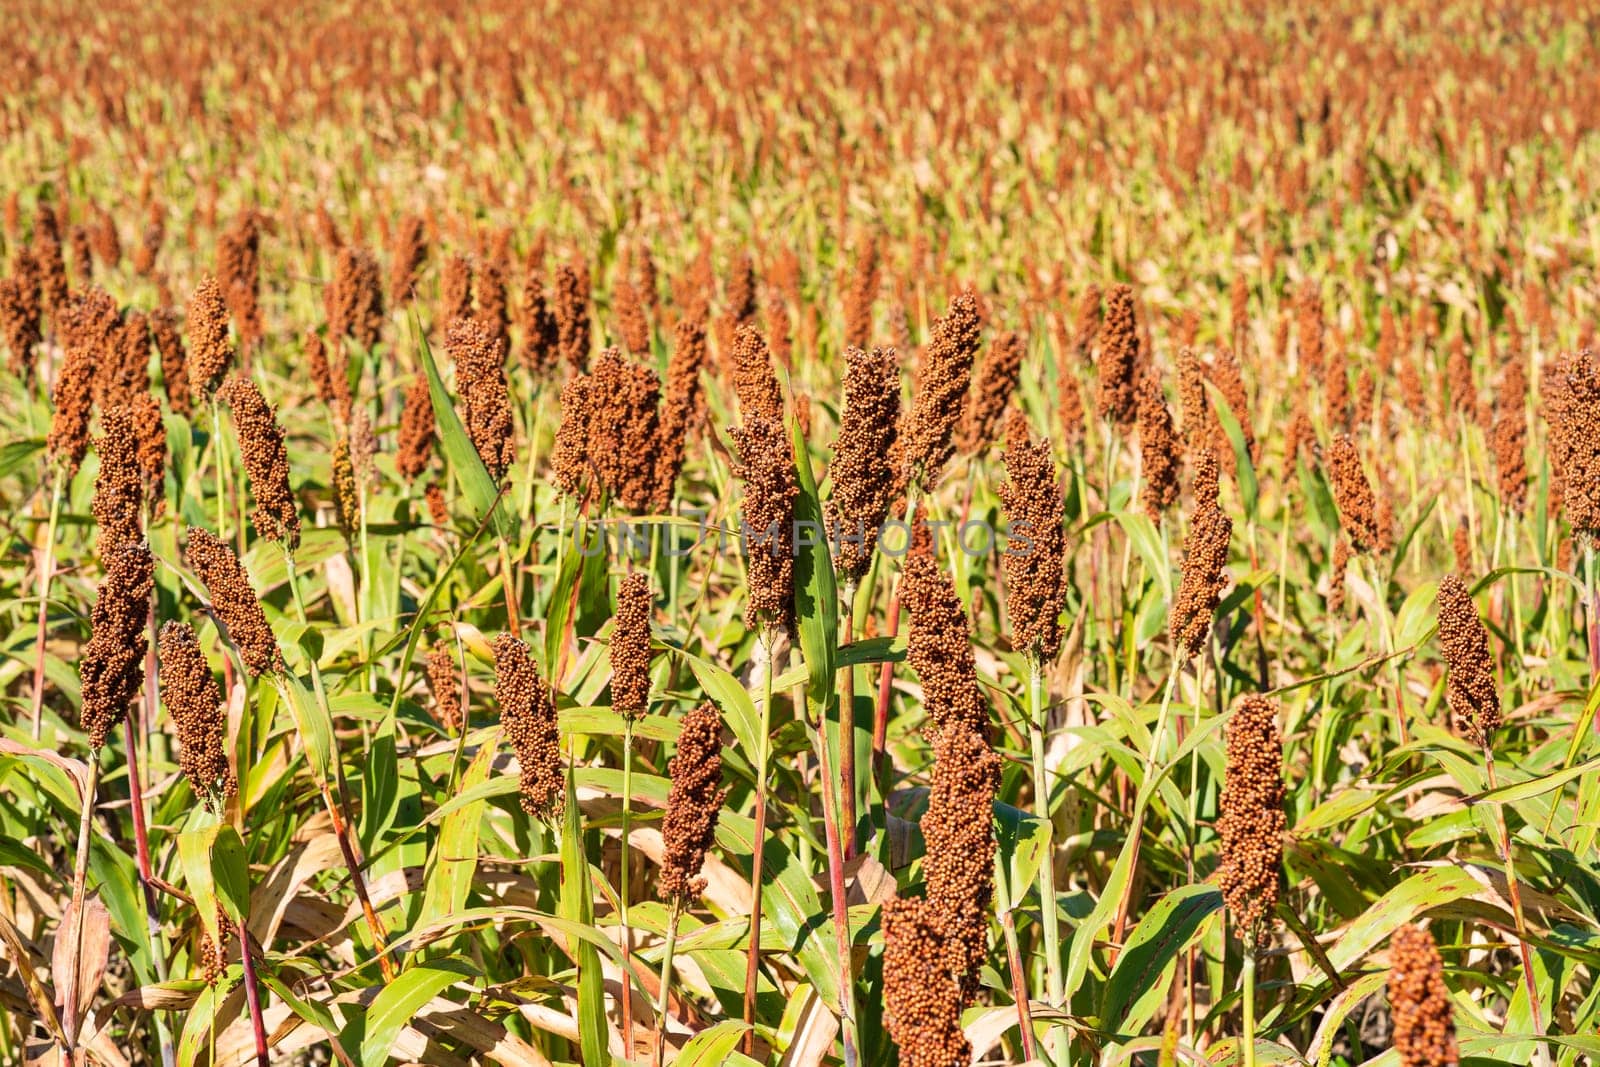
[[1055, 533]]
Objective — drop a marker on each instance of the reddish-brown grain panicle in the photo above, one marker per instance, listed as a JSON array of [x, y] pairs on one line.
[[922, 1001], [939, 647], [572, 316], [1160, 451], [149, 247], [174, 362], [942, 384], [1239, 309], [494, 304], [766, 466], [1252, 820], [1411, 388], [1086, 323], [455, 291], [19, 325], [633, 326], [1419, 1001], [541, 334], [1336, 383], [1461, 546], [481, 384], [1572, 407], [239, 276], [1205, 563], [52, 271], [693, 804], [570, 458], [682, 409], [1308, 324], [355, 299], [1353, 494], [782, 342], [234, 602], [445, 685], [111, 666], [72, 402], [438, 507], [528, 718], [405, 262], [630, 647], [210, 351], [1366, 396], [1033, 563], [1336, 575], [863, 474], [992, 393], [317, 365], [1511, 436], [346, 494], [959, 864], [416, 430], [103, 235], [194, 703], [266, 460], [119, 487], [622, 411], [862, 294], [754, 380], [1072, 412], [150, 435], [1474, 698], [127, 373], [1198, 416], [1463, 391], [1119, 359], [740, 303], [1225, 373]]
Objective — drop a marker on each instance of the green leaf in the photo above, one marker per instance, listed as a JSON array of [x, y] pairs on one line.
[[481, 492], [312, 721], [400, 1000], [1244, 468], [230, 872], [738, 710], [816, 596], [454, 859], [1135, 988], [713, 1046], [194, 856], [1021, 843], [577, 906]]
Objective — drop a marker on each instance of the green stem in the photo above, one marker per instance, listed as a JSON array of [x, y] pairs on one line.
[[1248, 1038], [753, 956], [666, 978], [47, 569], [1054, 985], [622, 878]]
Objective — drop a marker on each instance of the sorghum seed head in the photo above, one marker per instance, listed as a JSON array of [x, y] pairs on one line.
[[1419, 1001], [119, 487], [194, 703], [922, 1000], [958, 829], [266, 460], [1252, 820], [939, 647], [481, 384], [174, 362], [112, 665], [992, 393], [233, 601], [572, 315], [693, 804], [1035, 586], [754, 380], [445, 686], [1472, 693], [1205, 564], [210, 351], [416, 430], [945, 374], [766, 466], [630, 647], [1119, 358], [1353, 494], [863, 476], [1161, 453], [528, 716], [682, 408]]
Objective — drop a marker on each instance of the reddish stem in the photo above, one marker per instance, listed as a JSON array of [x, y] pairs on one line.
[[1019, 986], [847, 737], [252, 996]]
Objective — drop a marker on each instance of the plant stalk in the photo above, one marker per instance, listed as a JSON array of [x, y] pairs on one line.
[[47, 569], [753, 956]]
